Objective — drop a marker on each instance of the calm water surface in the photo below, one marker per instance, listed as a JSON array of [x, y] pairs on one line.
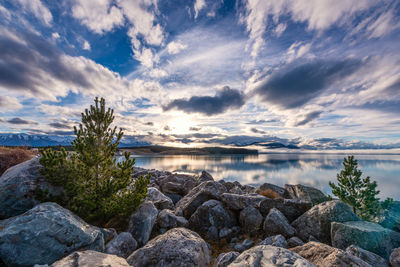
[[309, 169]]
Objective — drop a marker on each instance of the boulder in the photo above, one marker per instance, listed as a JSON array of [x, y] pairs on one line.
[[367, 256], [204, 177], [211, 213], [305, 193], [395, 257], [224, 259], [250, 220], [271, 191], [275, 223], [159, 200], [246, 244], [366, 235], [177, 183], [177, 247], [44, 234], [18, 188], [197, 196], [390, 218], [142, 221], [122, 245], [276, 241], [269, 256], [90, 258], [239, 202], [294, 242], [292, 209], [323, 255], [166, 220], [317, 221]]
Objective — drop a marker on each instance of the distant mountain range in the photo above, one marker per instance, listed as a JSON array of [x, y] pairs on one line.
[[38, 140]]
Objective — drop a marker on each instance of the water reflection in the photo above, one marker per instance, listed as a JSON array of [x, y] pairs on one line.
[[311, 169]]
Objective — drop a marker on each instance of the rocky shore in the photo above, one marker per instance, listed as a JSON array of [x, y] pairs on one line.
[[194, 221]]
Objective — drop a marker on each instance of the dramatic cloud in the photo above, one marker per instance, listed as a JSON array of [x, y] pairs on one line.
[[20, 121], [225, 99], [309, 117], [40, 11], [294, 85], [257, 131]]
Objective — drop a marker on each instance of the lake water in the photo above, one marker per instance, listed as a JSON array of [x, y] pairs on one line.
[[281, 168]]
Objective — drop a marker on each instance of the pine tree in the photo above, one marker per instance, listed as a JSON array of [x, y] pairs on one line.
[[96, 187], [360, 193]]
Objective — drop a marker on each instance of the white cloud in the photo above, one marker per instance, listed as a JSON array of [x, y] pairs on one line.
[[86, 45], [38, 9], [99, 16], [55, 36], [8, 103], [198, 6], [383, 25], [175, 47], [280, 29]]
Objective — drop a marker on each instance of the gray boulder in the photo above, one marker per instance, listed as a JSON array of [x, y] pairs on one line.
[[294, 242], [323, 255], [177, 247], [177, 183], [276, 241], [239, 202], [395, 257], [271, 191], [269, 256], [18, 187], [390, 218], [246, 244], [122, 245], [204, 177], [250, 220], [305, 193], [275, 223], [317, 221], [142, 221], [159, 200], [366, 235], [367, 256], [166, 219], [291, 208], [44, 234], [90, 258], [224, 259], [197, 196], [211, 213]]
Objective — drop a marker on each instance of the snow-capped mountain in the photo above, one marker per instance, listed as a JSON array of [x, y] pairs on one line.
[[39, 140]]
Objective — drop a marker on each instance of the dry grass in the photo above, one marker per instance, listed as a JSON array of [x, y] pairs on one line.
[[13, 156]]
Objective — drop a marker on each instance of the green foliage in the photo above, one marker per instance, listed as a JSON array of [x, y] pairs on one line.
[[360, 193], [96, 187]]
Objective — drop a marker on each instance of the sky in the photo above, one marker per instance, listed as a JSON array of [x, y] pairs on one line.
[[319, 74]]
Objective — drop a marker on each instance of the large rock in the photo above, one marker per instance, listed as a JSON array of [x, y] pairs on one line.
[[90, 258], [367, 256], [395, 257], [275, 223], [211, 213], [317, 221], [44, 234], [224, 259], [122, 245], [366, 235], [142, 221], [323, 255], [18, 187], [390, 218], [177, 247], [239, 202], [276, 241], [177, 183], [197, 196], [292, 209], [166, 219], [204, 177], [305, 193], [271, 191], [269, 256], [159, 200], [250, 220]]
